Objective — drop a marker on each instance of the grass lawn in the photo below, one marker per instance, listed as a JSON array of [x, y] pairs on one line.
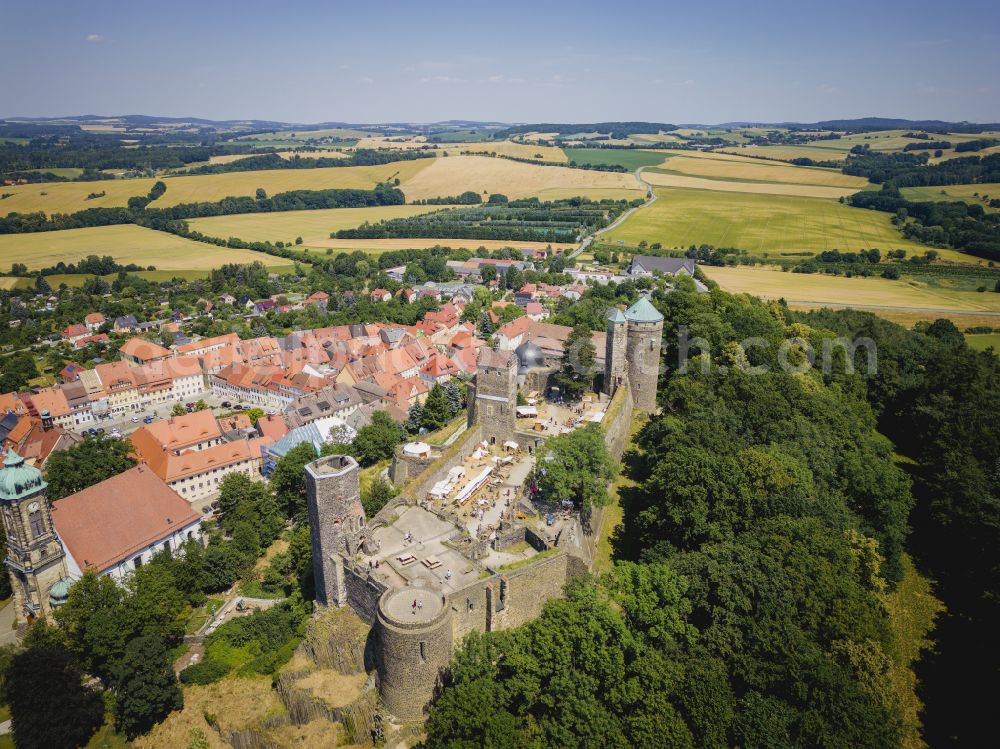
[[758, 223], [613, 512], [629, 159], [312, 226], [125, 243], [820, 289]]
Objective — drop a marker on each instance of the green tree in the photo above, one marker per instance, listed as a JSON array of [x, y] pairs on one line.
[[145, 688], [376, 495], [49, 704], [377, 440], [436, 411], [86, 463], [243, 500], [575, 466], [96, 621], [288, 480], [178, 410], [578, 364]]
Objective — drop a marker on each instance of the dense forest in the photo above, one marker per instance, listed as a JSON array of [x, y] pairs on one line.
[[767, 520]]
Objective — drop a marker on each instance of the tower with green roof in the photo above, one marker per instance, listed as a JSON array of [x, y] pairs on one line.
[[35, 557], [632, 353]]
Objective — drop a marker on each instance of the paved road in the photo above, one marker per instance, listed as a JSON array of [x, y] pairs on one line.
[[650, 199]]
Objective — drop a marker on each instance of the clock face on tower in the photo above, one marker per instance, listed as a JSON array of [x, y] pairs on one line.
[[33, 507]]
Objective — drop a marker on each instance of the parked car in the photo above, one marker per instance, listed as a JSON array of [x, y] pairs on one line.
[[148, 420], [101, 430], [135, 419], [239, 407], [115, 433], [92, 432], [227, 404]]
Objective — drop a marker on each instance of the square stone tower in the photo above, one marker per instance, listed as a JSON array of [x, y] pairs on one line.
[[614, 352], [493, 394], [336, 522]]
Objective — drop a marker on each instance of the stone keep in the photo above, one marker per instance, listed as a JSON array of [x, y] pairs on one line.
[[614, 352], [35, 556], [493, 394], [336, 522], [642, 352]]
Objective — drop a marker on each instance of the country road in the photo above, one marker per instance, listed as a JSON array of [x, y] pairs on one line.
[[650, 199]]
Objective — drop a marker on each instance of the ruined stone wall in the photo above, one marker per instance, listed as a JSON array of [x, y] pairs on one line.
[[418, 485], [363, 591], [617, 422], [405, 467]]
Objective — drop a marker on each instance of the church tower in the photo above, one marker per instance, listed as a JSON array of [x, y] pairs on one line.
[[35, 556], [614, 352]]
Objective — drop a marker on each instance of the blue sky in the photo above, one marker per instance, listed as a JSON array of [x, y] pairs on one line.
[[509, 61]]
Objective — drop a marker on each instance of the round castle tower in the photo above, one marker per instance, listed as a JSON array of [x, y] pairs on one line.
[[642, 353], [414, 626]]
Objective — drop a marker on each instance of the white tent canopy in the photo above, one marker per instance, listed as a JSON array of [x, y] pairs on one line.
[[473, 485], [527, 411], [511, 445]]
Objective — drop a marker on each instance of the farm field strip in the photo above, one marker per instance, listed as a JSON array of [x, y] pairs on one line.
[[126, 244], [663, 178], [954, 193], [820, 289], [757, 170], [312, 226], [485, 175], [758, 223], [68, 197]]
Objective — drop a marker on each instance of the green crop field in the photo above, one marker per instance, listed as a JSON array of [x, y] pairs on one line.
[[312, 226], [966, 193], [984, 341], [629, 159], [68, 197], [757, 223], [126, 244]]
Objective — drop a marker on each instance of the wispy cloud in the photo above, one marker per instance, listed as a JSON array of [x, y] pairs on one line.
[[827, 88], [441, 79], [94, 38]]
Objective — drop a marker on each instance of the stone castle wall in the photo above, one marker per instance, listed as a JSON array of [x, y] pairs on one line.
[[643, 357], [363, 592]]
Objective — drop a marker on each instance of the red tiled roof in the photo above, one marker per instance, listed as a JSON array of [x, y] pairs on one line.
[[110, 521]]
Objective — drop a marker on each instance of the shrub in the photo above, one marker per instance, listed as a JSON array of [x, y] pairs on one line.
[[204, 672]]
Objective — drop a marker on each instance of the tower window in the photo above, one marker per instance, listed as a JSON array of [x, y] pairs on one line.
[[37, 524]]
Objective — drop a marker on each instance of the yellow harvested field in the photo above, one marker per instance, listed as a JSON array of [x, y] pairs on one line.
[[68, 197], [661, 179], [787, 153], [377, 246], [312, 226], [485, 175], [126, 244], [398, 142], [7, 283], [757, 170], [953, 154], [819, 289]]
